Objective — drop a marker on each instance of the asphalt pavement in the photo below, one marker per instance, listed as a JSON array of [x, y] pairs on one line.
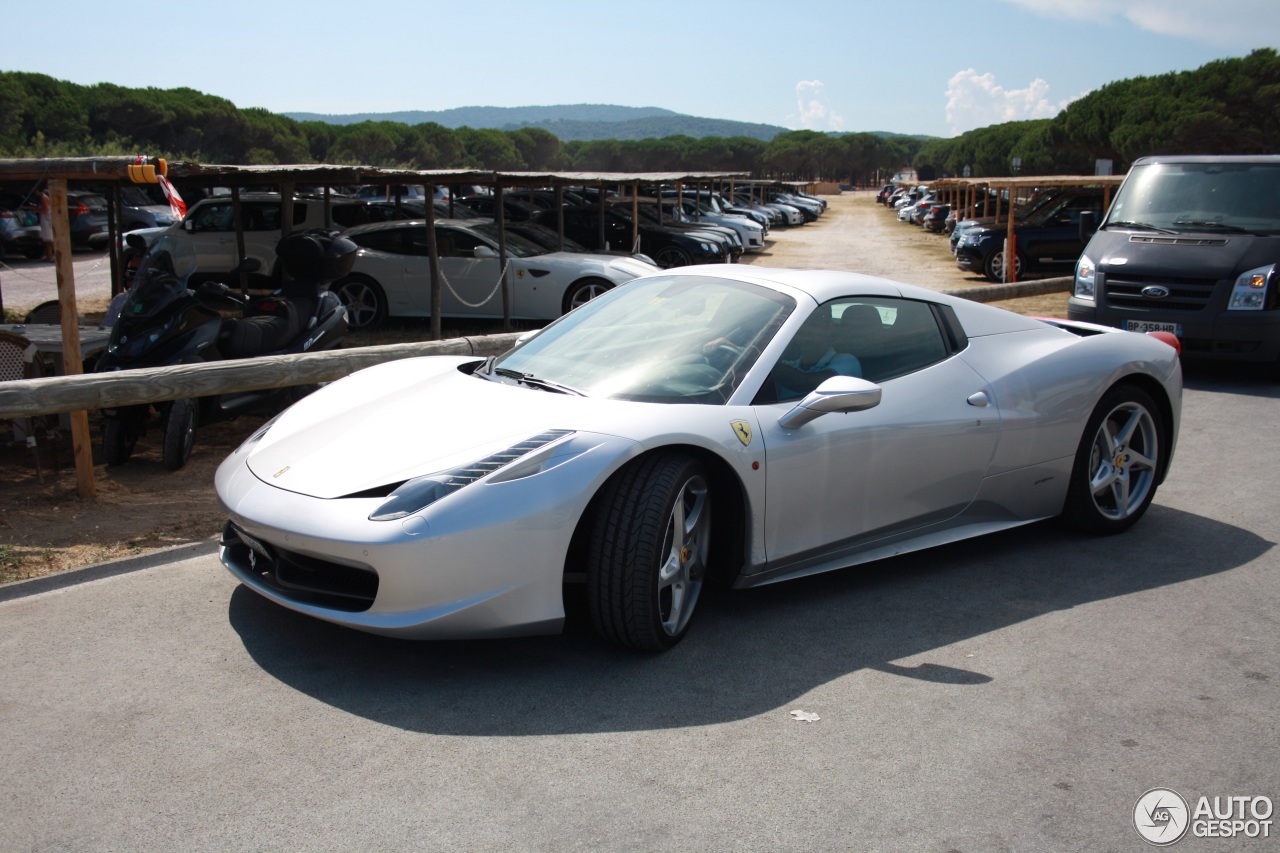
[[1018, 692]]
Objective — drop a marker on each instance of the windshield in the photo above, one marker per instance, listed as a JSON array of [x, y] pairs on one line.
[[517, 246], [1201, 197], [666, 339], [161, 276]]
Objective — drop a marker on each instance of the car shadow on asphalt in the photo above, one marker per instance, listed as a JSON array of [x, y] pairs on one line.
[[748, 652]]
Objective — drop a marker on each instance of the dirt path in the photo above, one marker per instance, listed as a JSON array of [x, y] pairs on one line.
[[141, 507]]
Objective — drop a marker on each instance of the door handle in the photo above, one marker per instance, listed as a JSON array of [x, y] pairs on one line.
[[978, 399]]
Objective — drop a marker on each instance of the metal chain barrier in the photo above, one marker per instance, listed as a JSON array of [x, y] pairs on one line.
[[502, 275], [19, 272]]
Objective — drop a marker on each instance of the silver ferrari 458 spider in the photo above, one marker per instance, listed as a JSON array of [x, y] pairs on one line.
[[748, 424]]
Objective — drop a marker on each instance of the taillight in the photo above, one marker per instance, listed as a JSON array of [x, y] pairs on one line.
[[6, 214], [1169, 338], [80, 209]]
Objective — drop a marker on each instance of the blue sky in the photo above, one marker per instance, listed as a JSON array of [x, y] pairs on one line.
[[925, 67]]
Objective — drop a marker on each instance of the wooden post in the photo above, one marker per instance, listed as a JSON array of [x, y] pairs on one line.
[[499, 217], [72, 363], [1010, 247], [559, 218], [238, 224], [433, 252]]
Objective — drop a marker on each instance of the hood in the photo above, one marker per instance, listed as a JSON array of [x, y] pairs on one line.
[[401, 420], [1199, 255]]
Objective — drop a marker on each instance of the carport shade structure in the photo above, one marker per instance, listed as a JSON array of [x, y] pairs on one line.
[[122, 170], [962, 193]]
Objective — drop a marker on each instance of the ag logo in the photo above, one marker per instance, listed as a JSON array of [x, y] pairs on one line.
[[742, 430], [1161, 816]]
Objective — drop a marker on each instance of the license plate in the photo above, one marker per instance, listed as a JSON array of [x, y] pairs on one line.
[[1152, 326]]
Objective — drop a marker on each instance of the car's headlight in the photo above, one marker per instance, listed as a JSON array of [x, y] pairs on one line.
[[420, 492], [710, 249], [1085, 277], [1250, 290]]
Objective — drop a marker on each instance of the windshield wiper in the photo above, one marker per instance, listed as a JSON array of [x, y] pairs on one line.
[[1209, 223], [537, 382], [1146, 226]]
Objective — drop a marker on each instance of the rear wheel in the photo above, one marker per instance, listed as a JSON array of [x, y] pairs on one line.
[[582, 292], [1113, 480], [649, 550], [365, 301], [179, 433], [119, 437]]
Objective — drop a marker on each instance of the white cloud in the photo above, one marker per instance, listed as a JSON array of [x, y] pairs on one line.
[[1243, 24], [815, 112], [977, 100]]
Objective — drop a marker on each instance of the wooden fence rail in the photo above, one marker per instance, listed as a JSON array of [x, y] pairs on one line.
[[58, 394]]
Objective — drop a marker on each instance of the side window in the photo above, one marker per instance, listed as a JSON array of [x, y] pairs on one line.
[[261, 216], [456, 244], [214, 217], [381, 241], [888, 336], [348, 215]]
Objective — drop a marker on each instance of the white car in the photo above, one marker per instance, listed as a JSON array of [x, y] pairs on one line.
[[209, 228], [744, 424], [392, 273]]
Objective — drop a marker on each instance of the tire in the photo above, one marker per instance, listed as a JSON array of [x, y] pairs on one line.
[[993, 269], [1117, 465], [365, 301], [33, 253], [648, 551], [179, 433], [672, 256], [119, 437], [582, 292]]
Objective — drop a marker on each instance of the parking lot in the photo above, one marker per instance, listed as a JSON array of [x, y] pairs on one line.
[[1015, 692]]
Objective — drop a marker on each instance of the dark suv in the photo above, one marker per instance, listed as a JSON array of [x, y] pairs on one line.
[[1048, 241]]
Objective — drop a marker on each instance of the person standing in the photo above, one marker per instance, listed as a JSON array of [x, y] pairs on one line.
[[45, 209]]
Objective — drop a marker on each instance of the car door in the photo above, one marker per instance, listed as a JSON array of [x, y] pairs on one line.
[[472, 286], [917, 458]]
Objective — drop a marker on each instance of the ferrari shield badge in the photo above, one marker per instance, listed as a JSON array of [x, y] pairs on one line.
[[742, 430]]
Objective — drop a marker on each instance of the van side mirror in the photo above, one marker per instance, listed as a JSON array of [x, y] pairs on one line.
[[1088, 224]]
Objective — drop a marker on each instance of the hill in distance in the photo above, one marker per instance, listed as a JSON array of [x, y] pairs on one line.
[[568, 122]]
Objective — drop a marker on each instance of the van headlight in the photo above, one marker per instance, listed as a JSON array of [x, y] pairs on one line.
[[1250, 290], [1086, 275]]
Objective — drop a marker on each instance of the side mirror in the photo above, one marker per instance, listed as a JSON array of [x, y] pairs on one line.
[[484, 252], [248, 265], [188, 225], [1088, 224], [837, 394], [212, 290]]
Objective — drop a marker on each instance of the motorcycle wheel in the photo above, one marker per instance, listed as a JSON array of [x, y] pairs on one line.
[[179, 433], [119, 436]]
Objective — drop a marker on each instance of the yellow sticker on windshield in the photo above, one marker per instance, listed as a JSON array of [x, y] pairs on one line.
[[742, 430]]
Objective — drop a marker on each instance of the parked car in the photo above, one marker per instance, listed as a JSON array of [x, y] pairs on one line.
[[1049, 240], [391, 275], [87, 219], [139, 210], [650, 442], [1190, 246], [667, 246], [674, 219], [936, 219], [209, 227], [19, 225]]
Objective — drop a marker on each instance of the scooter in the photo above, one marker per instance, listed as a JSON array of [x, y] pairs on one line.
[[163, 321]]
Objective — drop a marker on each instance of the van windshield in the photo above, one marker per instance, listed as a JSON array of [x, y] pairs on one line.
[[1202, 197]]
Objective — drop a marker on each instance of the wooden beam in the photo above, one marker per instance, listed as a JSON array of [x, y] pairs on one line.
[[157, 384]]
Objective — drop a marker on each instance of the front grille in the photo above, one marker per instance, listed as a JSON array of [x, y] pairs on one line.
[[1185, 294], [298, 577]]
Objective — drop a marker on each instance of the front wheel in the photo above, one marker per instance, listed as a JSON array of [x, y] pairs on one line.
[[649, 551], [364, 300], [672, 256], [582, 292], [1117, 464], [179, 433], [994, 267]]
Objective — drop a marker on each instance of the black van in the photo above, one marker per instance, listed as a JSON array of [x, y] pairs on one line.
[[1190, 246]]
